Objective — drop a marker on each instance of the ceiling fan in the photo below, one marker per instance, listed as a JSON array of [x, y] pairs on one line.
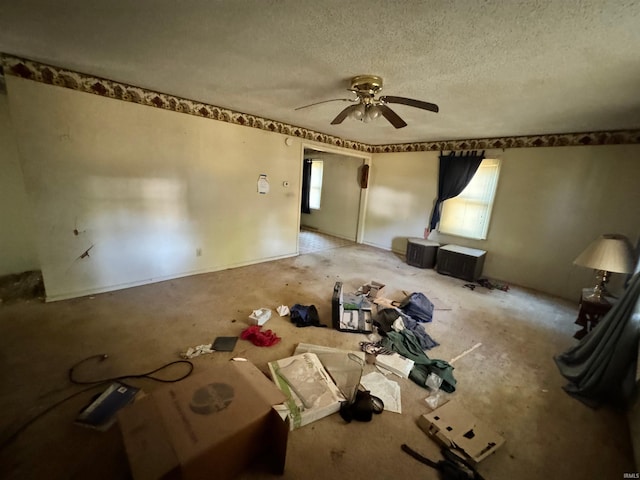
[[366, 107]]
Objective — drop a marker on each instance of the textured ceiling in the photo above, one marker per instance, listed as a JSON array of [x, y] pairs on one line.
[[495, 68]]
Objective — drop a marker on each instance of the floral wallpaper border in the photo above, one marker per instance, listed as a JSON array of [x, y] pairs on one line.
[[107, 88], [526, 141]]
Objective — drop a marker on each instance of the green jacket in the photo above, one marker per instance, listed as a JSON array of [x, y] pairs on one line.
[[406, 344]]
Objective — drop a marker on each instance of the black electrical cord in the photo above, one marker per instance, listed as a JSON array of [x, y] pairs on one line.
[[103, 356], [94, 384]]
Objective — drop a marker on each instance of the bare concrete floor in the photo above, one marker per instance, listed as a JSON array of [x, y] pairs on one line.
[[510, 382]]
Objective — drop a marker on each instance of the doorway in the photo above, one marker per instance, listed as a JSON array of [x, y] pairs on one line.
[[332, 200]]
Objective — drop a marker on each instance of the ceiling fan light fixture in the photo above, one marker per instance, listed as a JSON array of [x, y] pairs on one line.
[[358, 112], [372, 113], [366, 107]]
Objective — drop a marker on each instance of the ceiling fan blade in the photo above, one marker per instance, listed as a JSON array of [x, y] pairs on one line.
[[343, 114], [392, 116], [432, 107], [325, 101]]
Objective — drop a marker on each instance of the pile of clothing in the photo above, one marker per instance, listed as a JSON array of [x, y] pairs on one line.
[[403, 332]]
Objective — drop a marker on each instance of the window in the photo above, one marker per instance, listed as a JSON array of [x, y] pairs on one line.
[[315, 189], [467, 215]]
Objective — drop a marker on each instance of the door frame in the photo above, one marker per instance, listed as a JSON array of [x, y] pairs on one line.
[[364, 156]]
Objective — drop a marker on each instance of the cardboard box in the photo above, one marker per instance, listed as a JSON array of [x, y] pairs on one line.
[[373, 289], [454, 427], [310, 392], [210, 425]]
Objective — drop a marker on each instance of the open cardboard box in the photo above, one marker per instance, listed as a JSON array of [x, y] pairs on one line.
[[311, 393], [454, 427], [210, 425], [373, 289]]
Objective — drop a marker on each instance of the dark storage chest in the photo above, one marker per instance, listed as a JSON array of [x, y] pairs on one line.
[[421, 253], [461, 262]]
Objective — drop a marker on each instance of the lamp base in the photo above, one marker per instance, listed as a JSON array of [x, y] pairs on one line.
[[600, 289]]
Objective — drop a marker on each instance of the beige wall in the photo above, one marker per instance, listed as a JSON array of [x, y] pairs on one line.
[[17, 250], [340, 202], [147, 189], [402, 187], [550, 204]]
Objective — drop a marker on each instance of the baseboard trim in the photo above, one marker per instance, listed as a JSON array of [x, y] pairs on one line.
[[164, 278]]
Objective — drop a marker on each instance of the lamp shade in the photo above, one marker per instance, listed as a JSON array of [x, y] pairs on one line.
[[610, 252]]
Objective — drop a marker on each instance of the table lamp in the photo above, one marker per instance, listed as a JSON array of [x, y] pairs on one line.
[[609, 253]]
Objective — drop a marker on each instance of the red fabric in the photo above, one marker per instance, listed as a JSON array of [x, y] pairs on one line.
[[258, 337]]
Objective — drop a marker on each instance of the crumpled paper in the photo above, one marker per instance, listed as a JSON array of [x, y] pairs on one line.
[[283, 310], [197, 351], [260, 316], [398, 325]]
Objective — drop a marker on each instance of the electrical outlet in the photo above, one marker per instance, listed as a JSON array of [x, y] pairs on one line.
[[198, 252]]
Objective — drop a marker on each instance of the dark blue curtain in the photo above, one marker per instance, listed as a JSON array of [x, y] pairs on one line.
[[306, 185], [601, 367], [456, 171]]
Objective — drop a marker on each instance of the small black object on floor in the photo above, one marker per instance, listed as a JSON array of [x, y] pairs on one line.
[[363, 407], [224, 344], [453, 467]]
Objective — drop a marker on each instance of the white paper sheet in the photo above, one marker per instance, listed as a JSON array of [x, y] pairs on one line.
[[387, 390]]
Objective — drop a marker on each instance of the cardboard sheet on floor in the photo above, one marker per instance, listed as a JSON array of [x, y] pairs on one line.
[[454, 427], [212, 424]]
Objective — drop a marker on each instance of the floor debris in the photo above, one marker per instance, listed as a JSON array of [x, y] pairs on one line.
[[224, 344], [469, 350], [258, 337], [387, 390], [193, 352], [260, 316]]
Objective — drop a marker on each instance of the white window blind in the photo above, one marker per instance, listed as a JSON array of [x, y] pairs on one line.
[[315, 189], [468, 214]]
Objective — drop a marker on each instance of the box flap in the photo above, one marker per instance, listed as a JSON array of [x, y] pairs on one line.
[[278, 434]]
